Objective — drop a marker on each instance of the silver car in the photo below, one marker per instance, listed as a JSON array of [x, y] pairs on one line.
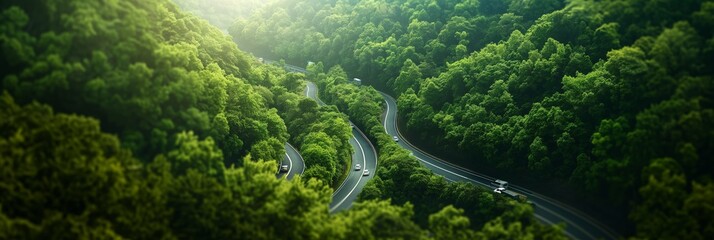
[[365, 172]]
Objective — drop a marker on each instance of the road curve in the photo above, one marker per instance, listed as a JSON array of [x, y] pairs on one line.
[[295, 163], [550, 211], [364, 154]]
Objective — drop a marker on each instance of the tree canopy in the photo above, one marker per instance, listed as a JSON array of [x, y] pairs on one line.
[[576, 95], [146, 77], [127, 119], [135, 119]]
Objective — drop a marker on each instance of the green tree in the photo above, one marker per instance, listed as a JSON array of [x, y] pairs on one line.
[[270, 149], [380, 219], [409, 77], [200, 203], [698, 205], [66, 165], [192, 153], [661, 213], [537, 159], [450, 223]]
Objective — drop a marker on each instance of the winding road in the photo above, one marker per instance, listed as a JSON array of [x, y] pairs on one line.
[[550, 211], [294, 161], [364, 155], [579, 225]]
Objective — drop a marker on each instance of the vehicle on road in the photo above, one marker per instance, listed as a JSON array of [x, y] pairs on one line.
[[500, 184], [513, 195], [365, 172], [395, 138], [284, 168], [502, 188], [358, 167]]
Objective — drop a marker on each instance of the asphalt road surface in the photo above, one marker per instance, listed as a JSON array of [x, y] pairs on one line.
[[578, 224], [294, 161], [364, 154]]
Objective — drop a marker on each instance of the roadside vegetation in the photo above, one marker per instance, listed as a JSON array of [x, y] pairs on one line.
[[133, 119], [607, 104], [321, 134], [477, 212]]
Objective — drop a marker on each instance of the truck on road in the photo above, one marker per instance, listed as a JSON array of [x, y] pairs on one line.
[[502, 188], [498, 183]]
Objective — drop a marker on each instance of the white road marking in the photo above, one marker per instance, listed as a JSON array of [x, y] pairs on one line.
[[343, 181], [374, 150], [427, 162], [386, 116], [290, 168], [571, 223], [567, 208], [298, 153], [364, 162]]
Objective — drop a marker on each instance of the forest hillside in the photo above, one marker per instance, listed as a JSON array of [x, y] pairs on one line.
[[135, 119], [605, 104]]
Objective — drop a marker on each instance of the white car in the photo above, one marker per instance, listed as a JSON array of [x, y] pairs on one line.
[[365, 172], [358, 167], [395, 138], [499, 190], [284, 168]]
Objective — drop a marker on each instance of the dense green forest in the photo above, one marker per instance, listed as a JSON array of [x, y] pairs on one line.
[[134, 119], [320, 133], [146, 71], [401, 179], [608, 103]]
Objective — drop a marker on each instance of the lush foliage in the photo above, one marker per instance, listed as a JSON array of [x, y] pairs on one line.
[[610, 97], [452, 210], [374, 38], [63, 178], [172, 90], [320, 133], [146, 70]]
